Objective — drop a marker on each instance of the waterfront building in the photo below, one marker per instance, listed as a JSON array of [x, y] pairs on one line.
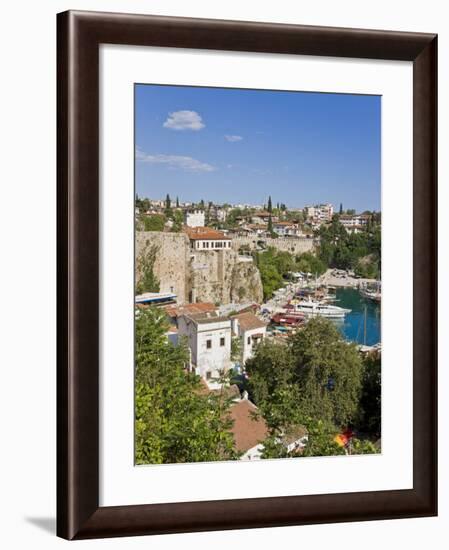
[[209, 340], [206, 238], [251, 330]]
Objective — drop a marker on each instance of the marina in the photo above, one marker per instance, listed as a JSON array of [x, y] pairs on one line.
[[355, 311], [362, 325]]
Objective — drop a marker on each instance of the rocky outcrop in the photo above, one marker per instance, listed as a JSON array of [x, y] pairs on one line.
[[217, 276], [246, 283]]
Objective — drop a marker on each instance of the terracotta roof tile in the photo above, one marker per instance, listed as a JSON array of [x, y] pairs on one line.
[[247, 431], [248, 321], [208, 233], [190, 309]]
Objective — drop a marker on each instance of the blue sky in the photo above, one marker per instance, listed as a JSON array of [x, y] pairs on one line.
[[239, 146]]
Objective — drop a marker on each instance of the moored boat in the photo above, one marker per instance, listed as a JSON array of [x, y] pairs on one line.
[[311, 308]]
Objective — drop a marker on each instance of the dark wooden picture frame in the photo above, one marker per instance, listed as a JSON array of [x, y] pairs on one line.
[[79, 37]]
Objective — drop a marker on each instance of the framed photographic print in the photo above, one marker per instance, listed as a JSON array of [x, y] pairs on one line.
[[247, 275]]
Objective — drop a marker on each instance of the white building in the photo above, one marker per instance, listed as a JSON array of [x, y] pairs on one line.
[[354, 223], [320, 213], [206, 238], [194, 218], [251, 330], [209, 340], [287, 229], [218, 213]]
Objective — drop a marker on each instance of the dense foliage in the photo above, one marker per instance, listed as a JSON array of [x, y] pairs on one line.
[[370, 403], [176, 420], [275, 266], [309, 263], [316, 379], [358, 251], [146, 279]]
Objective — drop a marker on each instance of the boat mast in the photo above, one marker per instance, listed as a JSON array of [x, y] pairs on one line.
[[364, 328]]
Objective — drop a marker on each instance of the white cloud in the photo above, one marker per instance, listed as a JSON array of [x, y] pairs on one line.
[[181, 162], [184, 120], [232, 139]]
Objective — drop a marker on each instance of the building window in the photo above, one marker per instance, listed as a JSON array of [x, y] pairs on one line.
[[222, 342], [249, 340], [204, 245], [208, 344]]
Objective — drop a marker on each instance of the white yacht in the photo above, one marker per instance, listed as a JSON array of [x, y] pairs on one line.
[[312, 309]]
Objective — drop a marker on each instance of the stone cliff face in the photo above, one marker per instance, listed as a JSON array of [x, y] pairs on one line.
[[217, 276], [246, 283]]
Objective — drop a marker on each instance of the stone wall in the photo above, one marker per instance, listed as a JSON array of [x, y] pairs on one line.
[[294, 245], [172, 260], [217, 276]]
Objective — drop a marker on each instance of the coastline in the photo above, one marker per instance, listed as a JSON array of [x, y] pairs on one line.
[[344, 281]]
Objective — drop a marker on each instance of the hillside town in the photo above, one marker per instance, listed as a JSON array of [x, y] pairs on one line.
[[233, 284]]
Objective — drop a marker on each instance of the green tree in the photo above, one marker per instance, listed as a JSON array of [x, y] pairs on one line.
[[320, 440], [271, 382], [340, 249], [309, 263], [236, 348], [271, 275], [341, 209], [270, 206], [370, 402], [178, 220], [175, 420], [168, 210], [317, 375], [146, 279], [274, 265], [154, 222], [177, 202], [328, 371], [362, 447]]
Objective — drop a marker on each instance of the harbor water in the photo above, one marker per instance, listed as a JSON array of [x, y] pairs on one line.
[[362, 325]]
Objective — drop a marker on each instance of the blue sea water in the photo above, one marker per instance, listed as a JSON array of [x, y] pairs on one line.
[[353, 325]]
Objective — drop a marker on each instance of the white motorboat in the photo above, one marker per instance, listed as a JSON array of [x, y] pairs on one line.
[[313, 309]]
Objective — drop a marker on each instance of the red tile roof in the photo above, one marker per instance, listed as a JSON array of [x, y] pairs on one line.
[[205, 233], [248, 321], [247, 430], [190, 309]]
